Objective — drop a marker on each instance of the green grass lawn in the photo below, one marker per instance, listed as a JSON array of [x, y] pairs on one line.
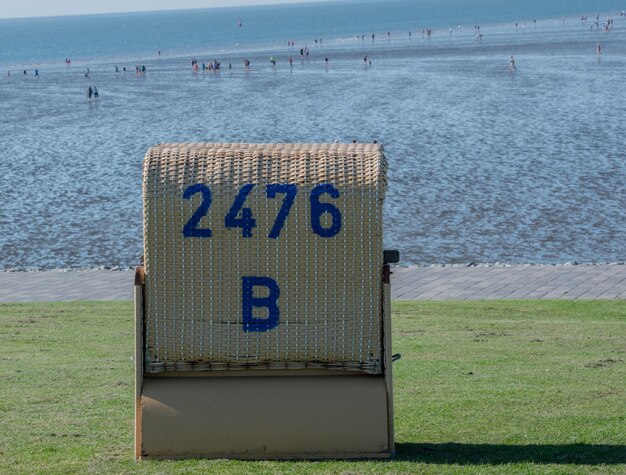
[[482, 387]]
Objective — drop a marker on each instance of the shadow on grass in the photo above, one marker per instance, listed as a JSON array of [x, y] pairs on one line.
[[492, 454]]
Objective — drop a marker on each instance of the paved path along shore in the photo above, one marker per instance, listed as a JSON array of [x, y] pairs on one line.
[[582, 282], [568, 282]]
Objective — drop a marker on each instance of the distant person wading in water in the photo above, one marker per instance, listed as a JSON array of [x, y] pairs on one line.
[[512, 64]]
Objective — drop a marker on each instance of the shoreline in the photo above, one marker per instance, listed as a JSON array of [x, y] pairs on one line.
[[14, 270], [237, 51]]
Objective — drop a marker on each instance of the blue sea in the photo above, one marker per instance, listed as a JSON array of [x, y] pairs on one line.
[[486, 164]]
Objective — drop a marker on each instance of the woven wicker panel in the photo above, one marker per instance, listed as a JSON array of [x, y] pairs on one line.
[[330, 286]]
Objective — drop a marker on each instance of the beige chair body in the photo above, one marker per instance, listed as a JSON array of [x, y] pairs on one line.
[[263, 325]]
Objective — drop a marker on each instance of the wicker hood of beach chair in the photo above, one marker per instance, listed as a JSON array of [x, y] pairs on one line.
[[263, 256]]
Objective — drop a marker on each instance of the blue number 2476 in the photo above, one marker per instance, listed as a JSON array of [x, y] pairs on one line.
[[246, 222]]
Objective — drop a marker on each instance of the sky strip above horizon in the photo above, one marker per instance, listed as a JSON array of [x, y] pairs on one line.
[[44, 8]]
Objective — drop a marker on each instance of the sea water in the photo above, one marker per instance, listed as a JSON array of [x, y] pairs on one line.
[[486, 164]]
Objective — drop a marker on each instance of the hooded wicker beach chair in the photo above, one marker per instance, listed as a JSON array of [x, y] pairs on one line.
[[262, 310]]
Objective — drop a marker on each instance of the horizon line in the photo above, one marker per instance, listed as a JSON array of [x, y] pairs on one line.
[[165, 10]]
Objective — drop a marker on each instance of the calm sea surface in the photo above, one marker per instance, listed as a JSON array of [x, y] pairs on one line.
[[485, 165]]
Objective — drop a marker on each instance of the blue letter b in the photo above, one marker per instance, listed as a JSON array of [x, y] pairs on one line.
[[249, 301]]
